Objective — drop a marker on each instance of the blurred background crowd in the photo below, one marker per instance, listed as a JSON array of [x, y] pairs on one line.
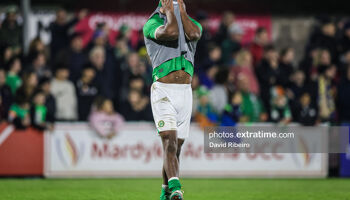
[[234, 82]]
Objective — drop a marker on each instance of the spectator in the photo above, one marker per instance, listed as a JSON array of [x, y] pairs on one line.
[[260, 42], [325, 39], [19, 112], [227, 20], [344, 62], [218, 96], [104, 120], [73, 57], [286, 64], [36, 46], [326, 104], [30, 83], [345, 40], [11, 31], [232, 113], [50, 102], [103, 78], [207, 78], [38, 111], [252, 109], [213, 58], [344, 97], [204, 114], [137, 108], [5, 96], [280, 112], [269, 74], [244, 67], [122, 48], [138, 83], [307, 113], [38, 66], [232, 45], [195, 86], [132, 67], [7, 54], [202, 50], [60, 30], [319, 57], [64, 92], [86, 93], [12, 79]]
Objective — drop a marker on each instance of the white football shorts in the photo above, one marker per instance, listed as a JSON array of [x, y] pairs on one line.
[[172, 107]]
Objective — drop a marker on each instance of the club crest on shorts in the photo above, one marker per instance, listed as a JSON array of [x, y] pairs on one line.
[[161, 123]]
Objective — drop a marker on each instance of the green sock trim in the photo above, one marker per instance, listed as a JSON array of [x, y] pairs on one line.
[[174, 185]]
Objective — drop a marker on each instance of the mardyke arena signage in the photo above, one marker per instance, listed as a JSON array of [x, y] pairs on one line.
[[74, 150]]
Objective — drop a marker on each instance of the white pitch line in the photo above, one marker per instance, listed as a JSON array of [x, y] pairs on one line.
[[6, 133]]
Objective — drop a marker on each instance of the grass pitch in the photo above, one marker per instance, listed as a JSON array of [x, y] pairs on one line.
[[195, 189]]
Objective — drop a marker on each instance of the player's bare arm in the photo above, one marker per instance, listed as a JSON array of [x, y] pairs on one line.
[[170, 31], [192, 31]]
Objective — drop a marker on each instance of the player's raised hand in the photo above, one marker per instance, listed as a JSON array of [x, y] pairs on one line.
[[167, 6]]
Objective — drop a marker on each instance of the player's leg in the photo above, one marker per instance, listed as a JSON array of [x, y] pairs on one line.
[[183, 130], [171, 163], [180, 142], [165, 188]]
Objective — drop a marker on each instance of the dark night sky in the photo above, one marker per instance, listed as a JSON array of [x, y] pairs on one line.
[[308, 7]]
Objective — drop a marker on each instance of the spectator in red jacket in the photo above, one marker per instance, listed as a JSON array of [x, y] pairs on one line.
[[260, 42], [244, 67]]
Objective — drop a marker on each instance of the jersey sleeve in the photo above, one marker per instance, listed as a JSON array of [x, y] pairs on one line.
[[149, 29], [197, 23]]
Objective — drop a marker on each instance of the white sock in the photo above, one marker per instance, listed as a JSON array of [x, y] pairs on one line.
[[173, 178]]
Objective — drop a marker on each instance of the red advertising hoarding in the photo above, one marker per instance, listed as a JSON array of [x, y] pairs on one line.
[[21, 152]]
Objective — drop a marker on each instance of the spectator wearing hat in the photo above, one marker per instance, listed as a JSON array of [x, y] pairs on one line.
[[64, 92], [232, 45], [205, 115], [11, 31], [261, 40]]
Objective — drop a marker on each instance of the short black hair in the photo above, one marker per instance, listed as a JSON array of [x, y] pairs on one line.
[[222, 76], [260, 30]]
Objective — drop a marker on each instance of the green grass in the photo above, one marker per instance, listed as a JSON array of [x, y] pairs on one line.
[[195, 189]]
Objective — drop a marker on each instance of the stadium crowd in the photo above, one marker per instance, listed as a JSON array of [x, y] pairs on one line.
[[233, 82]]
